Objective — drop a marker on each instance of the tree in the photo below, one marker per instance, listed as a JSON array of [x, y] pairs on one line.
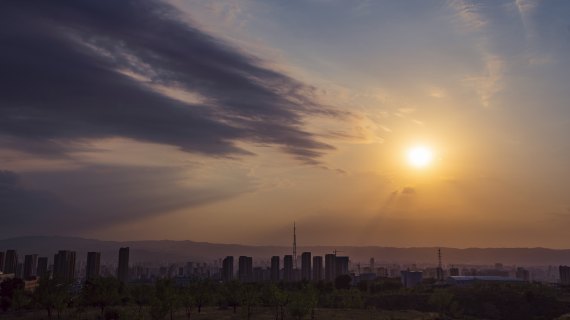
[[363, 286], [303, 302], [442, 300], [351, 298], [187, 299], [342, 282], [203, 293], [312, 297], [101, 292], [272, 297], [249, 298], [9, 288], [231, 293], [51, 295], [142, 296], [157, 309], [20, 299], [166, 296]]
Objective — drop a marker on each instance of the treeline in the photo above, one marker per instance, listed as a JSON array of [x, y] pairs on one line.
[[165, 300]]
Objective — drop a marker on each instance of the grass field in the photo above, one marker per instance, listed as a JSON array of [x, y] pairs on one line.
[[216, 314]]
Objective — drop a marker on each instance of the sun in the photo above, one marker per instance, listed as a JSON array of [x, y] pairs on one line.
[[419, 156]]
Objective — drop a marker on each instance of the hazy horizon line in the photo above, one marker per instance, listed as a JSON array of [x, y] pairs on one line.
[[276, 245]]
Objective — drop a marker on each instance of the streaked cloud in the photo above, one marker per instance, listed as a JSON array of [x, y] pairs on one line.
[[469, 13], [134, 69]]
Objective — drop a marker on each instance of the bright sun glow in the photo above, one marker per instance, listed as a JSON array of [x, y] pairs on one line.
[[419, 156]]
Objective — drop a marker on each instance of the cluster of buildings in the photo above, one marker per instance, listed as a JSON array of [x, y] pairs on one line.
[[498, 273], [313, 268], [66, 267]]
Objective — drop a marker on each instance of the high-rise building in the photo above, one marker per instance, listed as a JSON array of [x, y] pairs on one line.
[[306, 266], [259, 274], [288, 268], [245, 269], [228, 269], [189, 269], [30, 265], [93, 265], [11, 261], [275, 269], [123, 270], [411, 279], [64, 265], [2, 261], [317, 268], [564, 275], [341, 266], [330, 267], [42, 269], [523, 274], [20, 270], [453, 271], [372, 264]]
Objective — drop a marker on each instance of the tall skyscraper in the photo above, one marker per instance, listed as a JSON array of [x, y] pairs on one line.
[[11, 261], [93, 265], [275, 269], [64, 265], [123, 270], [306, 266], [318, 268], [42, 269], [288, 268], [564, 275], [228, 269], [20, 270], [372, 264], [330, 267], [2, 254], [30, 265], [245, 269], [341, 267]]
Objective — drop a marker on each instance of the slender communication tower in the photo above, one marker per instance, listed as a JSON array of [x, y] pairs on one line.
[[294, 245], [439, 266]]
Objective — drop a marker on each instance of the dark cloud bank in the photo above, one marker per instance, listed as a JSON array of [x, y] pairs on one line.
[[72, 201], [63, 80], [76, 70]]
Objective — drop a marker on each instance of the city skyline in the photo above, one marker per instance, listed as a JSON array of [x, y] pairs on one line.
[[386, 123], [109, 287]]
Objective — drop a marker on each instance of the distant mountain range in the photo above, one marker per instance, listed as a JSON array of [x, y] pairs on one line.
[[182, 251]]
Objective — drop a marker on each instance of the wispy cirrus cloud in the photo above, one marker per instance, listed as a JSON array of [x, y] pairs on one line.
[[469, 13], [489, 81]]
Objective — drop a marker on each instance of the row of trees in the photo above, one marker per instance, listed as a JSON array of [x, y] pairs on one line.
[[164, 300], [161, 301]]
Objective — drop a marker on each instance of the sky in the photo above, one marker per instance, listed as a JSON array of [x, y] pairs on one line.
[[225, 121]]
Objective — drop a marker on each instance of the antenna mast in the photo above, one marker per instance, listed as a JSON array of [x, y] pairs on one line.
[[294, 245], [439, 266]]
